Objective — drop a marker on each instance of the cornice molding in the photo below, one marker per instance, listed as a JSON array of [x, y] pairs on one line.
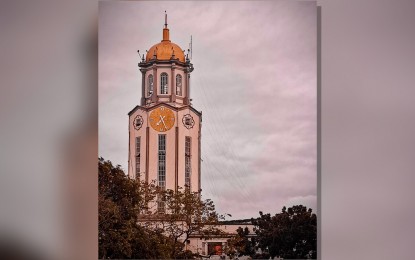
[[144, 108]]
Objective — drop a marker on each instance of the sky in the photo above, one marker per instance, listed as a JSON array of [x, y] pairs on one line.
[[255, 81]]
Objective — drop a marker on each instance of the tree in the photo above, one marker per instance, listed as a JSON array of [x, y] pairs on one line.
[[183, 215], [241, 244], [119, 202], [140, 220], [291, 234]]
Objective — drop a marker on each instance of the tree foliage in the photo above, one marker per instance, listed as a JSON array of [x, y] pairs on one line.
[[119, 202], [291, 234], [133, 225], [184, 214], [241, 244]]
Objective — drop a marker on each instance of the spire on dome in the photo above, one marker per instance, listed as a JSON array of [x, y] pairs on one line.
[[165, 19], [165, 49], [165, 29]]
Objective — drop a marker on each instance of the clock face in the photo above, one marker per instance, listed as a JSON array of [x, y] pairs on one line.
[[188, 121], [138, 122], [162, 119]]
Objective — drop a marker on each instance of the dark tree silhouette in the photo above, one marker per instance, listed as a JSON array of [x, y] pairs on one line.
[[131, 225], [119, 201], [241, 244], [291, 234]]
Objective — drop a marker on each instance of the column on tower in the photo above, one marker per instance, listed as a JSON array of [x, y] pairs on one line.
[[154, 96]]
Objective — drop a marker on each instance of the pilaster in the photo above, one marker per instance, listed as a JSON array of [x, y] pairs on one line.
[[173, 84], [143, 87], [154, 96]]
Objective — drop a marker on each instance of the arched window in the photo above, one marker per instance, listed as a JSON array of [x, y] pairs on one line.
[[150, 85], [179, 85], [164, 83]]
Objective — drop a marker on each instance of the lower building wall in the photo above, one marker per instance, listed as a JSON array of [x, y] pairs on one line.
[[212, 246], [215, 246]]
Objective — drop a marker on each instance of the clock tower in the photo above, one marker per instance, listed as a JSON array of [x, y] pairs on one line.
[[164, 129]]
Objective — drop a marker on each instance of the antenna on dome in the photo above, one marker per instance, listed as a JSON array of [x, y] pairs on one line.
[[142, 58], [165, 19], [191, 47]]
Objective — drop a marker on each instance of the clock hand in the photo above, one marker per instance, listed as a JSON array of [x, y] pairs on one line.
[[161, 118]]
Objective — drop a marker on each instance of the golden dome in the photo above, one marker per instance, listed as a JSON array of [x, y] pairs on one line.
[[165, 49]]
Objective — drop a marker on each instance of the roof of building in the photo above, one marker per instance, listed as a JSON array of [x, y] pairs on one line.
[[165, 50], [237, 222]]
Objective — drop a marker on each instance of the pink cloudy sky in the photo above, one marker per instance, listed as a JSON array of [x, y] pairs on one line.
[[254, 81]]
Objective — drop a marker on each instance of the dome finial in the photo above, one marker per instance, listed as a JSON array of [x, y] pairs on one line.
[[165, 19], [165, 29]]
